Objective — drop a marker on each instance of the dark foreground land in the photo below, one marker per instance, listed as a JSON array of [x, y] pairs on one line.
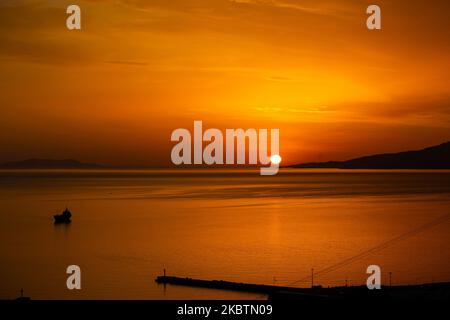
[[415, 301], [431, 291]]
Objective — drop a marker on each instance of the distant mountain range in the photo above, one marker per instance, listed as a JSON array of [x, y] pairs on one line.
[[49, 164], [436, 157]]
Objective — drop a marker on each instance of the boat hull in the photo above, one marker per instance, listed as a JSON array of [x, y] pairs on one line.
[[61, 219]]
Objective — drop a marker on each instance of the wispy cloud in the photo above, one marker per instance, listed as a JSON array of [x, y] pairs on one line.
[[128, 62], [279, 79], [313, 7]]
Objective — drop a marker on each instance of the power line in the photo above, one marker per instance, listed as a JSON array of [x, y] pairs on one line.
[[379, 247]]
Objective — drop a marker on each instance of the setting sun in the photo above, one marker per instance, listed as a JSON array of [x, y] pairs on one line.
[[275, 159]]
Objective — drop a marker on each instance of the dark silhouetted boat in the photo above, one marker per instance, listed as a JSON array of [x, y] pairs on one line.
[[64, 217]]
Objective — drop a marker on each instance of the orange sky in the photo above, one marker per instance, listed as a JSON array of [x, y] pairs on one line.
[[113, 92]]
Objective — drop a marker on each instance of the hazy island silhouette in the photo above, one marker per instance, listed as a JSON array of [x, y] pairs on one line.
[[435, 157], [49, 164]]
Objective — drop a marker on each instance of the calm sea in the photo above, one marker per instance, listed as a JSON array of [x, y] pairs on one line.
[[234, 225]]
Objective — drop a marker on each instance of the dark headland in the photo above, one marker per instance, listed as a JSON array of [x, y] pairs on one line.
[[49, 164], [435, 157]]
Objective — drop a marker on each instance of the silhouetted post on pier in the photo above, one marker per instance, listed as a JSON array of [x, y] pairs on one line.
[[164, 271], [390, 279], [312, 278]]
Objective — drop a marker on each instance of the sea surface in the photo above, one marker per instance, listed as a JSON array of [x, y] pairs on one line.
[[129, 225]]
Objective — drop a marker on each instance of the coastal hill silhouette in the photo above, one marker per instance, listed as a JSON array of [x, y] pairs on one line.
[[435, 157], [49, 164]]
